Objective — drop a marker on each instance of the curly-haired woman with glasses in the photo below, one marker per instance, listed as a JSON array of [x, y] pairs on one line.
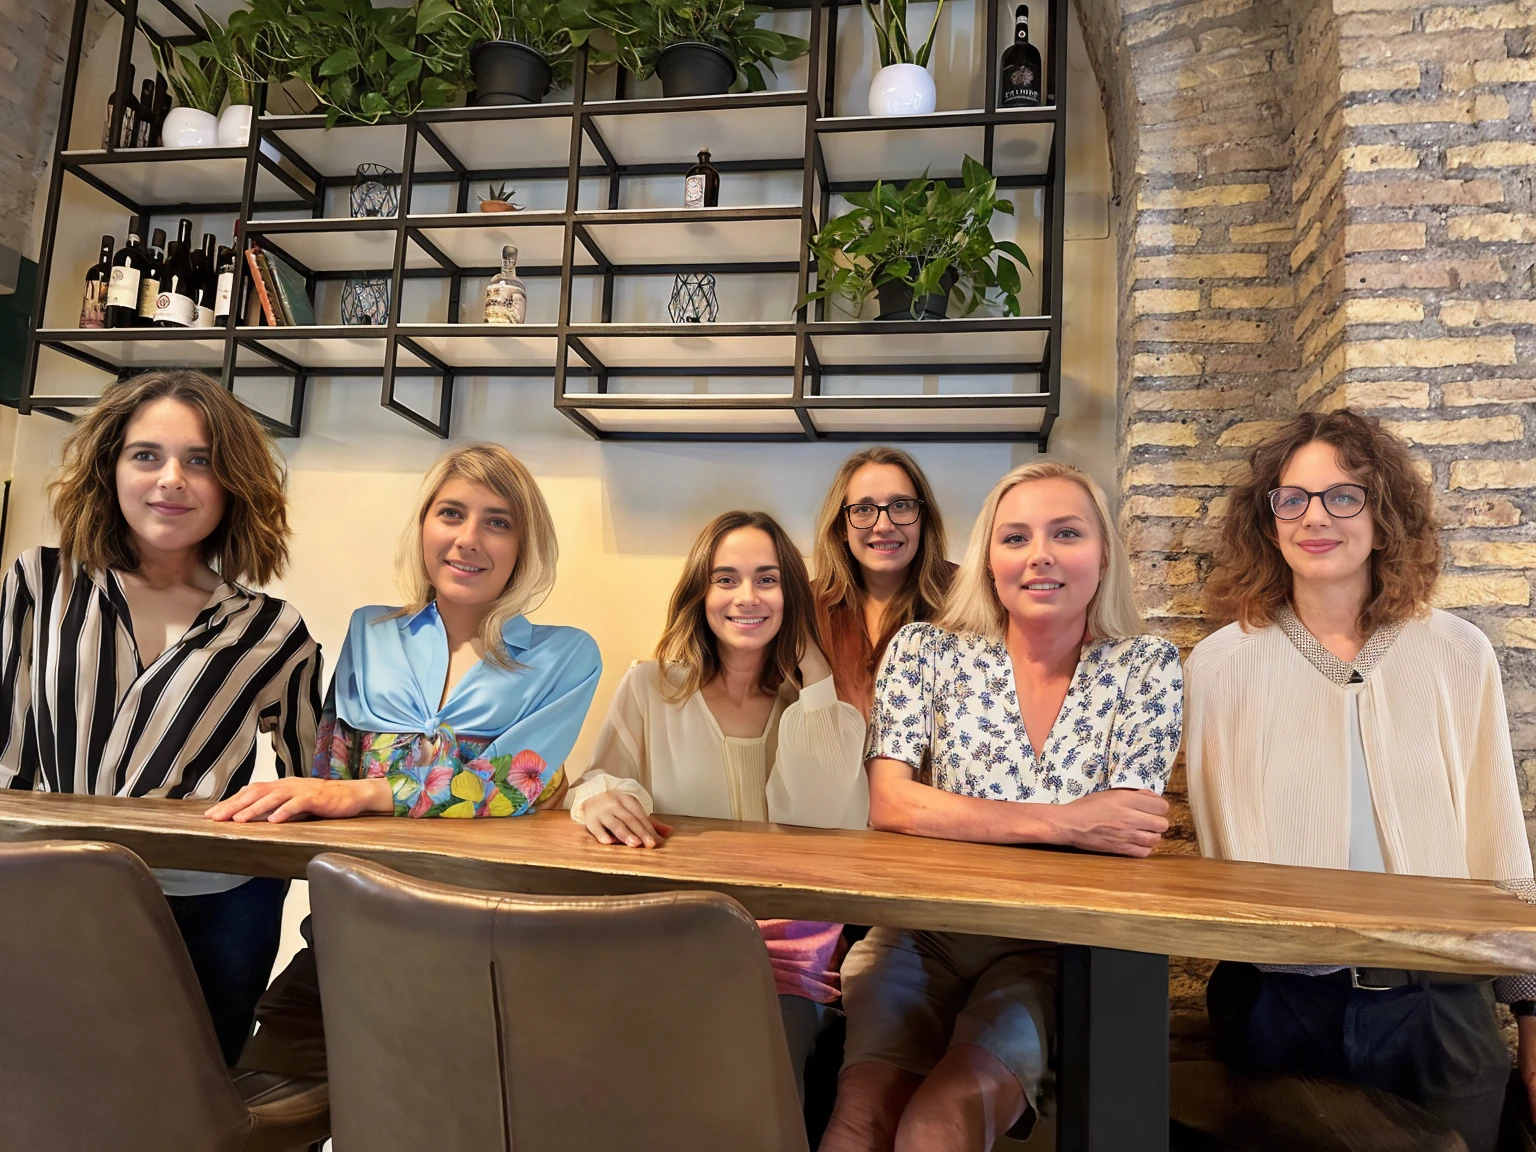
[[1341, 722]]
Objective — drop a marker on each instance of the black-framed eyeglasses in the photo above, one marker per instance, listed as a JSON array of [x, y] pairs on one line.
[[1341, 500], [901, 512]]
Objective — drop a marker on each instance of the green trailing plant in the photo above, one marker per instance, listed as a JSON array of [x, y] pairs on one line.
[[364, 62], [641, 29], [893, 39], [552, 28], [919, 234]]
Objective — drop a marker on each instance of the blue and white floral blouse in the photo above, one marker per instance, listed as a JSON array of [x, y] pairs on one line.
[[945, 703]]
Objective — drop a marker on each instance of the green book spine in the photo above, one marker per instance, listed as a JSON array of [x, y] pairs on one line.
[[291, 291]]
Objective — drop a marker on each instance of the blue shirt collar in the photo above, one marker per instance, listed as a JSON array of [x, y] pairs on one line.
[[517, 632]]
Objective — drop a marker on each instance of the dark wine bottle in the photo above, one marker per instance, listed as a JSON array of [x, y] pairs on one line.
[[94, 302], [701, 187], [224, 286], [205, 278], [122, 310], [144, 127], [129, 129], [1019, 82], [174, 306], [162, 108], [149, 282]]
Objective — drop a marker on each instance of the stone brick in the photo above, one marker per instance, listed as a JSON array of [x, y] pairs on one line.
[[1491, 154], [1217, 508], [1166, 434], [1280, 296], [1184, 16], [1468, 110], [1493, 227], [1171, 535], [1181, 572], [1463, 393], [1189, 474], [1448, 47], [1376, 24], [1474, 430], [1392, 78], [1306, 246], [1482, 590], [1424, 273], [1166, 364], [1223, 160], [1413, 191], [1211, 196], [1202, 332], [1487, 16], [1475, 313], [1493, 554], [1480, 512], [1386, 394], [1513, 632], [1168, 163], [1190, 400], [1383, 310], [1194, 266], [1247, 434], [1430, 353], [1185, 507], [1396, 236], [1159, 300], [1478, 474], [1270, 232], [1521, 70], [1152, 235]]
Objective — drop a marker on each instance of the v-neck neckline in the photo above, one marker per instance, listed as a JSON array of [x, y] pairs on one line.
[[118, 597], [1018, 705], [761, 738]]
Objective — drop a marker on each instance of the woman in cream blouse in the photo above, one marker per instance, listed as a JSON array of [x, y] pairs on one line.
[[737, 719], [1343, 723]]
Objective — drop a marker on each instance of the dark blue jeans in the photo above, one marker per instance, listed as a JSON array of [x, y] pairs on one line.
[[232, 938], [1438, 1047]]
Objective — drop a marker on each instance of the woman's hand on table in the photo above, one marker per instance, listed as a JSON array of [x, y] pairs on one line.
[[1125, 821], [278, 800], [1526, 1059], [618, 818]]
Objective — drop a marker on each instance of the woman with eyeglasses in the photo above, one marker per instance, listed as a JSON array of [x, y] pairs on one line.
[[879, 562], [1341, 722]]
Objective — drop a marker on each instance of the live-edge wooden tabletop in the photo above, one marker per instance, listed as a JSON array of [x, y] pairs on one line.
[[1178, 905]]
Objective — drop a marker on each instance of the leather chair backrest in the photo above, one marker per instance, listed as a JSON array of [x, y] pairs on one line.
[[105, 1040], [485, 1022]]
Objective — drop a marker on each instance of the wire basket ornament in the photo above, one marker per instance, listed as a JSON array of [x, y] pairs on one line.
[[375, 192], [693, 299], [365, 301]]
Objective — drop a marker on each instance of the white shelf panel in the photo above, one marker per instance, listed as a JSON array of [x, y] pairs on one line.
[[492, 143], [776, 132], [1022, 149], [145, 349], [338, 151], [538, 236], [876, 420], [343, 250], [316, 352], [957, 346], [164, 177], [700, 351], [686, 241], [483, 346], [709, 420], [901, 147]]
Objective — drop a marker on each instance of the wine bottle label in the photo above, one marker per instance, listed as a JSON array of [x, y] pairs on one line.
[[175, 308], [123, 288], [202, 318], [1021, 86], [505, 304], [149, 290], [224, 293], [693, 191], [92, 308]]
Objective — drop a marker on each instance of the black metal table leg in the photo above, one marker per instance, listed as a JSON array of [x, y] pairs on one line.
[[1112, 1030]]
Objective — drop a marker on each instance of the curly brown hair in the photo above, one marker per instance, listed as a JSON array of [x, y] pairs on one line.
[[251, 540], [1252, 581]]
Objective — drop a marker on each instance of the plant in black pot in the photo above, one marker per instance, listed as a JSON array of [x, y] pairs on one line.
[[522, 49], [914, 244], [697, 47]]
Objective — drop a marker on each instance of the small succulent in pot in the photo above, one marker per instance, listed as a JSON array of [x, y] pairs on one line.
[[498, 198]]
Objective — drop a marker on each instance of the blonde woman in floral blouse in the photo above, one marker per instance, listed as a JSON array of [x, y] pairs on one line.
[[1037, 647]]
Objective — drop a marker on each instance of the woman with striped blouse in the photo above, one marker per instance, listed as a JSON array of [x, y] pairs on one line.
[[133, 660]]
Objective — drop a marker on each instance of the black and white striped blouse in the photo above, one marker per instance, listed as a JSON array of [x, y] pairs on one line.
[[79, 714]]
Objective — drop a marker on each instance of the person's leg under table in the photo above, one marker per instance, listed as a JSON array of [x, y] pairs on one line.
[[1112, 1074]]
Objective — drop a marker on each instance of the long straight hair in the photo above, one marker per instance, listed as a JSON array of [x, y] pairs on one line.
[[973, 606], [688, 650], [493, 468]]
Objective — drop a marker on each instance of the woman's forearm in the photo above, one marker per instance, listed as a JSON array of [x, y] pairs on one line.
[[907, 806]]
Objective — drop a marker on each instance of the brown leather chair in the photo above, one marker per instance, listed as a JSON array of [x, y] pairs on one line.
[[483, 1022], [105, 1041]]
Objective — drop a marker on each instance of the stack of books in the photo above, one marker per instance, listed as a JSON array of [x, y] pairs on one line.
[[279, 289]]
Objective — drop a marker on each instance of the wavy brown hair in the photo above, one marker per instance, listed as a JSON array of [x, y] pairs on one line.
[[688, 651], [250, 543], [1252, 581], [839, 582]]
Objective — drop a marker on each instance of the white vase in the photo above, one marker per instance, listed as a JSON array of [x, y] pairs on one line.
[[189, 128], [901, 90], [235, 126]]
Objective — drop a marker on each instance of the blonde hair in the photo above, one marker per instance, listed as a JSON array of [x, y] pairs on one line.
[[973, 607], [495, 469]]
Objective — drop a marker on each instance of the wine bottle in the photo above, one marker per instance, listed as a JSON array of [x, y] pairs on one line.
[[128, 130], [144, 128], [174, 306], [701, 187], [224, 286], [161, 109], [506, 300], [1019, 82], [94, 303], [122, 310], [149, 281], [205, 277]]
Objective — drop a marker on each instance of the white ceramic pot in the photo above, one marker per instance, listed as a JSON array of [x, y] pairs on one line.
[[901, 90], [235, 126], [189, 128]]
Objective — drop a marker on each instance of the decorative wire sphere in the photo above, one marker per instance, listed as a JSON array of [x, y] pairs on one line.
[[693, 299], [375, 190], [365, 301]]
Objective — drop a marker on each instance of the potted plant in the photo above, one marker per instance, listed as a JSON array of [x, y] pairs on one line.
[[199, 85], [911, 244], [903, 86], [521, 49], [237, 49], [697, 47], [498, 198]]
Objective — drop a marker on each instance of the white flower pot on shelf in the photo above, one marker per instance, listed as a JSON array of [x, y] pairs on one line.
[[902, 90], [235, 126], [189, 128]]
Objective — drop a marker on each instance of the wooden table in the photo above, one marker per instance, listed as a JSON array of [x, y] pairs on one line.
[[1120, 918]]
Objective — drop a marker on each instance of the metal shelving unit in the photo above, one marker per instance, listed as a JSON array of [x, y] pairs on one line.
[[810, 375]]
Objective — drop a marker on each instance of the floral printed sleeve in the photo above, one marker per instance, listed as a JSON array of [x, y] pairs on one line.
[[1149, 716], [901, 720]]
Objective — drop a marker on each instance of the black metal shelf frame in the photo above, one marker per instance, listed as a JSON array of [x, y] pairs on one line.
[[275, 177]]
